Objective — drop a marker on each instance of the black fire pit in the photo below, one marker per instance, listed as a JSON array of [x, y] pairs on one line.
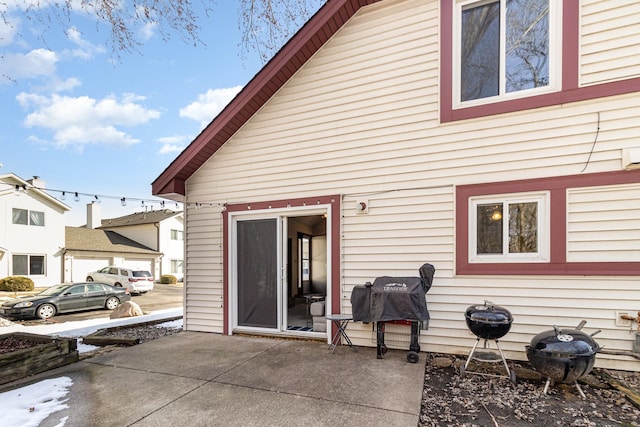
[[488, 322], [563, 355]]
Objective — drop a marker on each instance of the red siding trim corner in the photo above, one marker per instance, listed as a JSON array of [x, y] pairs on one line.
[[558, 264]]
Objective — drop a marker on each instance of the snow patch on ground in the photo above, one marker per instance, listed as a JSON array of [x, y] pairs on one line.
[[83, 328], [29, 406]]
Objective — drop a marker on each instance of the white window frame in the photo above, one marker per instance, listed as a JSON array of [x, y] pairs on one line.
[[177, 266], [542, 198], [555, 52], [29, 272], [34, 218]]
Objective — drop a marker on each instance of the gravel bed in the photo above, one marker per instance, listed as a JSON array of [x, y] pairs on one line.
[[481, 400], [146, 332]]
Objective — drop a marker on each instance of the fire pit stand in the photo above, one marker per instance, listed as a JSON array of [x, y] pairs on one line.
[[488, 322]]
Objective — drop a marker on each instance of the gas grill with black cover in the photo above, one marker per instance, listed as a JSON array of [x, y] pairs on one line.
[[394, 299]]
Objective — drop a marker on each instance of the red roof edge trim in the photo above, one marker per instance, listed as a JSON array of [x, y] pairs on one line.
[[320, 28]]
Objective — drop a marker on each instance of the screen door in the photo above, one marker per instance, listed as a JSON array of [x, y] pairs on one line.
[[257, 273]]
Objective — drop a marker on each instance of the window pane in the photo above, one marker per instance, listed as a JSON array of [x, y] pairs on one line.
[[20, 265], [176, 266], [489, 229], [20, 216], [480, 50], [527, 44], [523, 227], [36, 264], [36, 218]]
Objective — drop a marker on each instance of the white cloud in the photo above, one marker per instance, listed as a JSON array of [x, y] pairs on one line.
[[57, 85], [148, 30], [173, 144], [38, 62], [8, 30], [86, 50], [209, 105], [80, 121]]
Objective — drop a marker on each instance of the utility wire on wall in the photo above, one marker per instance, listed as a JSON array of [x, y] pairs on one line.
[[593, 146]]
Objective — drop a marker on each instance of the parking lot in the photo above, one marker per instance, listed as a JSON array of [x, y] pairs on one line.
[[162, 297]]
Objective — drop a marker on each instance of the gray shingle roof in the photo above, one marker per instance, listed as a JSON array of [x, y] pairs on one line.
[[138, 218], [86, 239]]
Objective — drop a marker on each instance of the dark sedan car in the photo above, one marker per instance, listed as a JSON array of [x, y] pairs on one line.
[[65, 298]]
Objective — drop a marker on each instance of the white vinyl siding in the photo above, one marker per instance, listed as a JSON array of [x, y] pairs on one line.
[[610, 30], [361, 119], [204, 266], [604, 224]]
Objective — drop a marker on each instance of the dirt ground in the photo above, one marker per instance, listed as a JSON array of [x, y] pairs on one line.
[[450, 399]]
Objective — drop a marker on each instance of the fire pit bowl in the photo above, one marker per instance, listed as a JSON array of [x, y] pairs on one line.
[[488, 321]]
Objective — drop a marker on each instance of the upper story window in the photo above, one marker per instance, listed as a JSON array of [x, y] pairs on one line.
[[511, 228], [26, 217], [504, 49], [176, 235]]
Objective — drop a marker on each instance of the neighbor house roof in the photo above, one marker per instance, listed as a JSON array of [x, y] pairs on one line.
[[10, 180], [92, 240], [139, 218], [293, 55]]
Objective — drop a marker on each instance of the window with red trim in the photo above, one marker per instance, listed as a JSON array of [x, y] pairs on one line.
[[500, 254], [504, 49]]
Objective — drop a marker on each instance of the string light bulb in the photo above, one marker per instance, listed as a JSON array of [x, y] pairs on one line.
[[76, 197], [123, 201]]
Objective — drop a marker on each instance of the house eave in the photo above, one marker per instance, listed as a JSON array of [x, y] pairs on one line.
[[293, 55]]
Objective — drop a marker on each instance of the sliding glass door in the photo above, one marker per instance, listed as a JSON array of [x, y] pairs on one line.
[[257, 273]]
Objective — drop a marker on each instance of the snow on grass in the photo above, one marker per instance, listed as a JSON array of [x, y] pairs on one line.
[[29, 406], [172, 324], [83, 328]]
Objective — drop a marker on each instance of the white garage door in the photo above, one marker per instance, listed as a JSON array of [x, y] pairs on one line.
[[82, 266]]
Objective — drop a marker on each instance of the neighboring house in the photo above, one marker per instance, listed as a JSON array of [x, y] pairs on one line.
[[160, 230], [383, 131], [148, 240], [31, 231]]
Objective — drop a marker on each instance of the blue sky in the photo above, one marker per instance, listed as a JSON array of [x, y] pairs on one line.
[[86, 121]]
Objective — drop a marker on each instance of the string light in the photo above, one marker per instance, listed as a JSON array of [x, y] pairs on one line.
[[19, 189]]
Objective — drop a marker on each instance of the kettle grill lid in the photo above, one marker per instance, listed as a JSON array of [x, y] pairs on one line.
[[568, 342], [488, 313]]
